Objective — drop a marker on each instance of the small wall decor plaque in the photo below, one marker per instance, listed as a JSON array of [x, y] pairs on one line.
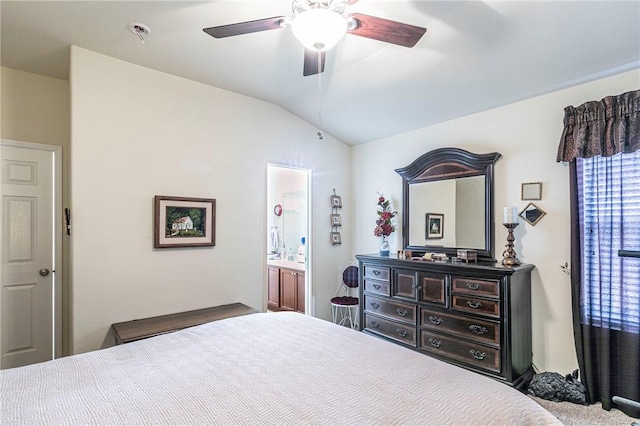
[[532, 214], [531, 191], [336, 219], [184, 222], [335, 238]]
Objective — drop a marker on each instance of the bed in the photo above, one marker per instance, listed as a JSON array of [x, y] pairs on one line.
[[266, 368]]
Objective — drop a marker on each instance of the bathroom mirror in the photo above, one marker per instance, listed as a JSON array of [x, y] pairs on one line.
[[287, 211], [294, 223], [456, 187]]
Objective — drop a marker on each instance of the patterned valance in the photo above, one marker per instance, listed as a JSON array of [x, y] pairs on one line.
[[605, 127]]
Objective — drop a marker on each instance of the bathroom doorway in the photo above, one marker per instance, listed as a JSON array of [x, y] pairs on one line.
[[288, 241]]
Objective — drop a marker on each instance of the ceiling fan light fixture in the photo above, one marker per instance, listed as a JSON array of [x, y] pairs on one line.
[[319, 29]]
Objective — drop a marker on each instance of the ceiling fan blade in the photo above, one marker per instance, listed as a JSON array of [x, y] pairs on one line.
[[245, 27], [311, 62], [386, 30]]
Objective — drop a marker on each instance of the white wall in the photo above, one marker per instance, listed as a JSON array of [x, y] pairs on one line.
[[469, 222], [527, 135], [35, 108], [137, 133], [441, 200]]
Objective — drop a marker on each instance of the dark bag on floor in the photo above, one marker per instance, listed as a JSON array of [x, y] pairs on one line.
[[555, 387]]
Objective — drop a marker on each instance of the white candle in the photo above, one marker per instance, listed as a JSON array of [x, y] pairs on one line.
[[510, 215]]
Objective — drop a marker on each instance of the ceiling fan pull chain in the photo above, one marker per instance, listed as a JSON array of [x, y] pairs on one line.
[[320, 134]]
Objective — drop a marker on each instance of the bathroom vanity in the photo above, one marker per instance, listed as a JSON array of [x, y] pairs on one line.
[[286, 285]]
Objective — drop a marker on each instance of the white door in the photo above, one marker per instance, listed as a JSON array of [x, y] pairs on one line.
[[29, 253]]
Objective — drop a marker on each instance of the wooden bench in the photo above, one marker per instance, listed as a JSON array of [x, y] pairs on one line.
[[130, 331]]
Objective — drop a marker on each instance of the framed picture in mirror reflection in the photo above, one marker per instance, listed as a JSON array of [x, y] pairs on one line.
[[434, 226]]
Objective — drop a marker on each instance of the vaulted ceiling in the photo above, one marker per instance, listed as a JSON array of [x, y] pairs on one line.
[[476, 55]]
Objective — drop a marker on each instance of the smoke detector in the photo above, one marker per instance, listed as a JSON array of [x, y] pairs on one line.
[[141, 30]]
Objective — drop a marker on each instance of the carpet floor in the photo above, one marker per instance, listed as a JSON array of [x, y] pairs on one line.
[[575, 414]]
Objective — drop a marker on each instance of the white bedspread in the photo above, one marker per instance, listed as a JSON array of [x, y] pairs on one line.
[[276, 368]]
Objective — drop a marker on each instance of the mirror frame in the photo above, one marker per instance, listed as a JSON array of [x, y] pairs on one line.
[[450, 163]]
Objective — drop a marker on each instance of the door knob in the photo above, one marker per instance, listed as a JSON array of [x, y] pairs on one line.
[[44, 272]]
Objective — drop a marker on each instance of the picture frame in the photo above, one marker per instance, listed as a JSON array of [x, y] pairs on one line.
[[434, 226], [336, 220], [336, 201], [532, 214], [335, 238], [531, 191], [184, 222]]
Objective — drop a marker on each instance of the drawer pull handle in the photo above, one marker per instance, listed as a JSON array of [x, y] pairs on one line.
[[376, 286], [375, 324], [435, 320], [474, 304], [375, 305], [478, 329], [401, 333], [477, 354], [376, 272], [473, 286], [417, 286], [402, 312], [435, 343]]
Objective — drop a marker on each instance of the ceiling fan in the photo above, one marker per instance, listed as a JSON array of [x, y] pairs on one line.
[[320, 24]]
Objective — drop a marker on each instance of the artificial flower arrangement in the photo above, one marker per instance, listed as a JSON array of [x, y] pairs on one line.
[[384, 225]]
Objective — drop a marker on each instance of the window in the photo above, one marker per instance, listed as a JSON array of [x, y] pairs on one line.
[[609, 209]]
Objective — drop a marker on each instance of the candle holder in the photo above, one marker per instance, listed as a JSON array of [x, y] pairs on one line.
[[509, 255]]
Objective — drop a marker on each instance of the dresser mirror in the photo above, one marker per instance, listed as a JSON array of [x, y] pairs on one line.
[[448, 202]]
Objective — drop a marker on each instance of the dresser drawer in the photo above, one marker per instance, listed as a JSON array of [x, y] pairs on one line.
[[467, 352], [400, 332], [470, 328], [376, 273], [490, 308], [379, 287], [472, 286], [390, 308]]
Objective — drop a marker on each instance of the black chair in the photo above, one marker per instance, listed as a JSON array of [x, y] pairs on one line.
[[344, 306]]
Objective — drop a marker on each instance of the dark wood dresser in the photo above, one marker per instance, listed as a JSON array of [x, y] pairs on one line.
[[477, 316]]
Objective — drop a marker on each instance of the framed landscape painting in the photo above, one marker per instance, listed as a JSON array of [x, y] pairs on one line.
[[184, 222]]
